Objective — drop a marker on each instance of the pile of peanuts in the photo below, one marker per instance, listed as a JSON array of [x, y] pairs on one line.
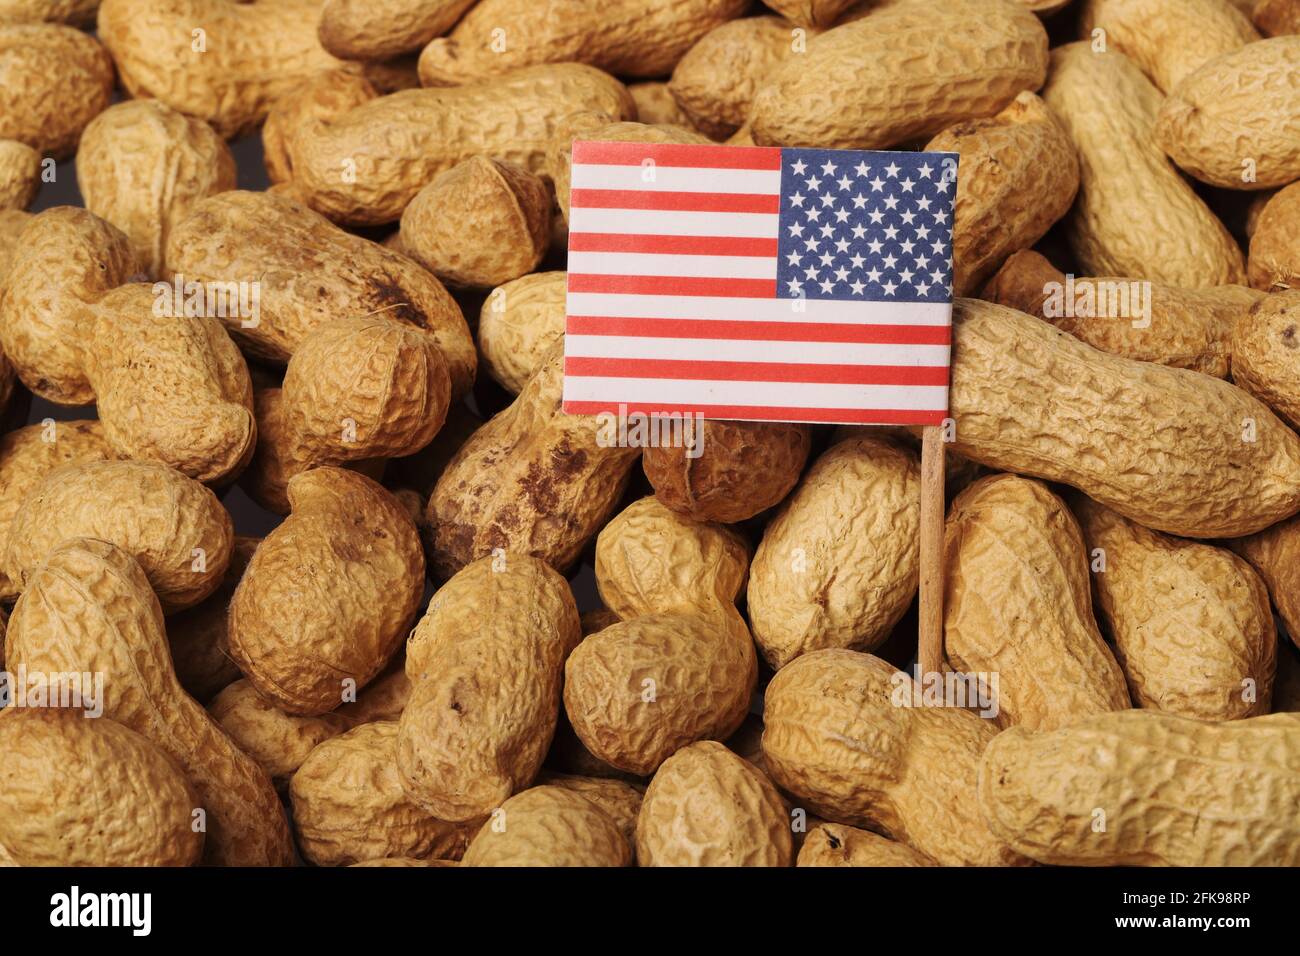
[[364, 363]]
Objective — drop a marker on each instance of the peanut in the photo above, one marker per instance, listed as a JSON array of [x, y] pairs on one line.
[[520, 323], [902, 72], [1110, 110], [638, 38], [380, 29], [1017, 604], [532, 481], [708, 807], [172, 525], [80, 792], [142, 166], [655, 104], [1275, 554], [20, 168], [548, 826], [812, 13], [54, 80], [1262, 361], [1275, 245], [481, 223], [1019, 175], [1101, 425], [484, 700], [197, 635], [680, 666], [1142, 788], [833, 844], [49, 11], [324, 96], [1276, 17], [621, 801], [12, 222], [1183, 328], [835, 738], [89, 608], [1191, 623], [352, 176], [838, 565], [349, 806], [328, 594]]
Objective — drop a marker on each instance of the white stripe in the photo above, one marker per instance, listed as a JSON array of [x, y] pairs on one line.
[[759, 310], [678, 179], [653, 222], [666, 392], [657, 264], [727, 350]]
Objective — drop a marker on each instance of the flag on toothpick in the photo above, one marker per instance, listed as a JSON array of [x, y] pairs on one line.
[[760, 283]]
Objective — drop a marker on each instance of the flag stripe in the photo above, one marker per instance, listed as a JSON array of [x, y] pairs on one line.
[[671, 245], [651, 393], [673, 286], [758, 331], [757, 371], [673, 201], [673, 154], [637, 263], [673, 178], [776, 413], [779, 310], [748, 350], [745, 225]]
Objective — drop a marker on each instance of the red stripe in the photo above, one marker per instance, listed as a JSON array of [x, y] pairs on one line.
[[671, 245], [772, 413], [801, 372], [759, 331], [667, 200], [673, 285], [694, 156]]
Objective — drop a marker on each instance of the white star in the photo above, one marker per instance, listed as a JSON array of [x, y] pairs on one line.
[[857, 261], [907, 185], [827, 259], [862, 169], [922, 261], [859, 231], [796, 229], [828, 287], [907, 246], [798, 168], [795, 286], [923, 288], [827, 231], [940, 216], [793, 258], [814, 183], [877, 184], [892, 169], [923, 203], [814, 214], [891, 202], [841, 273], [889, 262], [811, 244], [906, 275], [891, 232], [926, 170], [796, 199], [876, 215], [907, 217], [845, 182], [874, 275], [828, 200], [937, 246], [936, 275], [842, 245], [859, 201], [841, 215], [828, 168], [857, 287], [889, 288], [942, 186], [811, 273], [875, 246], [923, 232]]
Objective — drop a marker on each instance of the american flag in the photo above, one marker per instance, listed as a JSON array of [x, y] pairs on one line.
[[759, 283]]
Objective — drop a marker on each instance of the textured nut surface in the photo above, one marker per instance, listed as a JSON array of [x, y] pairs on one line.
[[1168, 41], [1275, 244], [1109, 109], [835, 738], [79, 792], [324, 96], [901, 72], [364, 166], [708, 807], [170, 388], [359, 388], [329, 593], [838, 565], [619, 799], [1019, 174], [12, 222], [548, 826], [1276, 17], [1275, 554], [533, 480], [20, 167], [142, 166], [519, 325], [380, 29], [485, 665], [1191, 623], [1162, 446], [54, 80], [89, 609], [731, 471], [349, 805], [811, 13], [64, 261], [655, 104], [481, 223], [1017, 604], [834, 844], [1264, 353], [248, 54], [49, 11], [172, 525], [1175, 791], [638, 38], [197, 635], [680, 665], [1235, 122], [1185, 328], [307, 272]]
